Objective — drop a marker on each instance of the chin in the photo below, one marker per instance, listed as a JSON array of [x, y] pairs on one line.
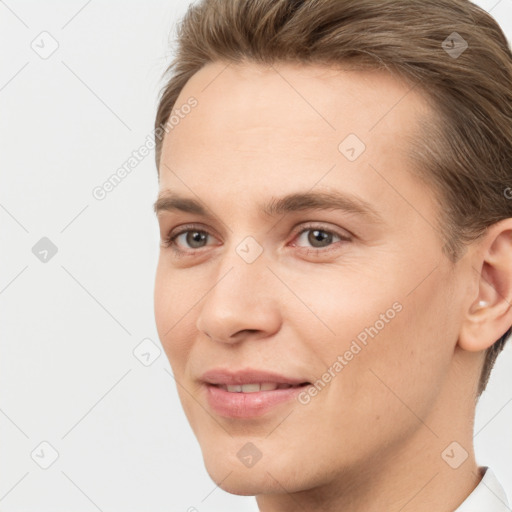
[[243, 481], [226, 468]]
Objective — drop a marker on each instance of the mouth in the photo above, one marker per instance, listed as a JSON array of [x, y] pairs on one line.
[[249, 394], [257, 387]]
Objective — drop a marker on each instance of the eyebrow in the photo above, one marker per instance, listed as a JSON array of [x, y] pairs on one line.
[[299, 201]]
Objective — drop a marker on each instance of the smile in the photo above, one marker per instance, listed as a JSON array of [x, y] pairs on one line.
[[255, 388]]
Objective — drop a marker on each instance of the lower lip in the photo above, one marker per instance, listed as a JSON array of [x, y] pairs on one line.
[[248, 405]]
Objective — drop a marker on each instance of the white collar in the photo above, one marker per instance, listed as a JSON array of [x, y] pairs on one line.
[[488, 496]]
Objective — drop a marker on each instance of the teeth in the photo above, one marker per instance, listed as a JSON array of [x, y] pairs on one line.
[[250, 388], [253, 388]]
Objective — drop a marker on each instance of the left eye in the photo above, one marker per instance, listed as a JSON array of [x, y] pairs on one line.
[[318, 238]]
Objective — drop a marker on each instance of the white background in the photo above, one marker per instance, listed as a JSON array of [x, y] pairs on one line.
[[69, 326]]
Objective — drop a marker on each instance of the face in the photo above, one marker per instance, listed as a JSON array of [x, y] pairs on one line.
[[297, 328]]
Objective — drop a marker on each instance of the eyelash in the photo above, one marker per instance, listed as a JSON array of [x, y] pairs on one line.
[[169, 241]]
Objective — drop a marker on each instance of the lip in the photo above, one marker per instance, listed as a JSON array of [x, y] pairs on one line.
[[248, 376], [247, 405]]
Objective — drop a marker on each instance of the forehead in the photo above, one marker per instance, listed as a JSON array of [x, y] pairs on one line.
[[289, 103], [260, 127]]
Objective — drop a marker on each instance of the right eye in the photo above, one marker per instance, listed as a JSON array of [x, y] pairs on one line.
[[186, 240]]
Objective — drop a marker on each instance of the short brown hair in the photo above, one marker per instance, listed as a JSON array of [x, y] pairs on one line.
[[465, 152]]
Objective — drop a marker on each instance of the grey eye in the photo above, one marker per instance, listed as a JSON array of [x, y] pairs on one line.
[[194, 239], [318, 238], [321, 237]]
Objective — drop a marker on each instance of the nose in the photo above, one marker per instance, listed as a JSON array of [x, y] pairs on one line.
[[240, 303]]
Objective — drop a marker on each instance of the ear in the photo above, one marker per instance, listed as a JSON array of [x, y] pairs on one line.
[[490, 314]]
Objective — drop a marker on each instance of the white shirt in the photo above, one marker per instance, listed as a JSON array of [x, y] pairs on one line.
[[488, 496]]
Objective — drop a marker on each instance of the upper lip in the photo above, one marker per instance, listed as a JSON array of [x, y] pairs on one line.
[[247, 376]]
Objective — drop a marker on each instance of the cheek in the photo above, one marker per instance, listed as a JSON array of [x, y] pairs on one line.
[[382, 325], [338, 306], [173, 302], [403, 361]]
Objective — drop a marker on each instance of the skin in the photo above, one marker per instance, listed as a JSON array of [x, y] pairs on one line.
[[372, 439]]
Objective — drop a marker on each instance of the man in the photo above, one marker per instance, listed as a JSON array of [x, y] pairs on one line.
[[335, 274]]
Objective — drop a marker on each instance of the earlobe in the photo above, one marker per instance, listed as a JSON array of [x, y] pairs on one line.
[[490, 314]]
